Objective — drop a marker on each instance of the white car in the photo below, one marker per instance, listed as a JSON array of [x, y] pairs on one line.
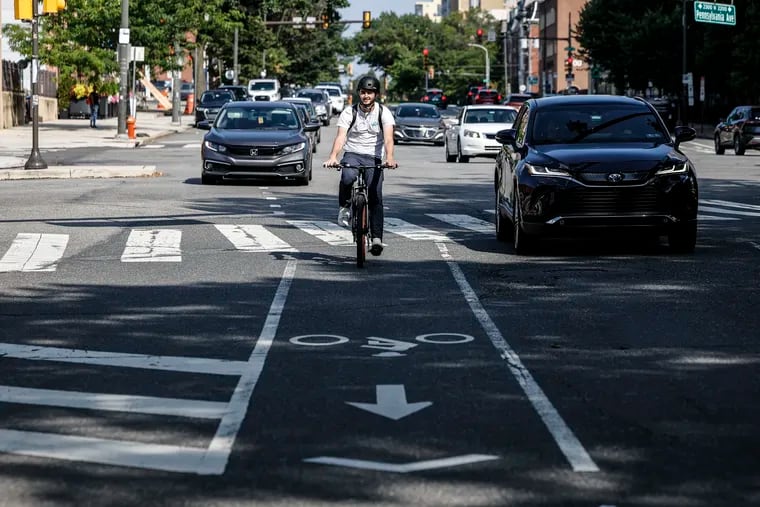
[[264, 89], [473, 133], [336, 97]]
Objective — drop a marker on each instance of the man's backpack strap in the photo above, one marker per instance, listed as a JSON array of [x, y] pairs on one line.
[[354, 109]]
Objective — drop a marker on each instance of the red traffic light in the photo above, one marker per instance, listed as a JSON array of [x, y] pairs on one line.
[[425, 52], [479, 32]]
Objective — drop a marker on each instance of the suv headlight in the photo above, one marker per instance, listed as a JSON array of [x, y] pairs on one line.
[[540, 170], [471, 133], [215, 146], [293, 148], [675, 168]]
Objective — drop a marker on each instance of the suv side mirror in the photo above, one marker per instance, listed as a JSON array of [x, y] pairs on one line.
[[507, 136]]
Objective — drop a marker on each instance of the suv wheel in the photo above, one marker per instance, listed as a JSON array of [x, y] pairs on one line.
[[738, 146], [719, 148]]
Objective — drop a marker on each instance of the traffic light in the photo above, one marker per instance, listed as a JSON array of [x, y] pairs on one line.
[[325, 21], [425, 58], [366, 19], [23, 10], [53, 6], [431, 72], [479, 33], [569, 65]]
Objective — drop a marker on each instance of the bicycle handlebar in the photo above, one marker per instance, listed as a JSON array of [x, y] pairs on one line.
[[360, 167]]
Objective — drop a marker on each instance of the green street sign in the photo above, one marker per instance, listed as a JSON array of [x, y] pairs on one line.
[[711, 12], [569, 48]]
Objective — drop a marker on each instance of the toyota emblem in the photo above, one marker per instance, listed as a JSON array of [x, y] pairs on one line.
[[254, 152], [615, 177]]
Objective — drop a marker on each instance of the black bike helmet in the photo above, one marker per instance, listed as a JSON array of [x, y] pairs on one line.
[[368, 83]]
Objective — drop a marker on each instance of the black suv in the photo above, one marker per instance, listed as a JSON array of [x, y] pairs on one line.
[[740, 131], [436, 97]]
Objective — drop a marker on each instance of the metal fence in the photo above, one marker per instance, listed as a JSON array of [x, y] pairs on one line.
[[12, 82]]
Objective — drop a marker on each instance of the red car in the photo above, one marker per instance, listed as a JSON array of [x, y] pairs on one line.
[[486, 96]]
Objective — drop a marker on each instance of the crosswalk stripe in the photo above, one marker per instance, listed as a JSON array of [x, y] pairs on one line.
[[200, 365], [701, 217], [254, 238], [34, 252], [157, 245], [411, 231], [729, 204], [175, 407], [465, 222], [104, 451], [330, 233], [724, 211]]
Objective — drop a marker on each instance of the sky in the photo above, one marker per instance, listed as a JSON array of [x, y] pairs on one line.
[[400, 7]]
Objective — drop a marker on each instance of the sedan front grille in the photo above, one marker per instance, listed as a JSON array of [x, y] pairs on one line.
[[245, 151], [419, 132], [608, 200]]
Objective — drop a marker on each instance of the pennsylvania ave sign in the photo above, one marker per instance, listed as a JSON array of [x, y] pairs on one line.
[[710, 12]]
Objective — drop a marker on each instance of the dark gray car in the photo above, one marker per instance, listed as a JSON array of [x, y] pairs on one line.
[[210, 103]]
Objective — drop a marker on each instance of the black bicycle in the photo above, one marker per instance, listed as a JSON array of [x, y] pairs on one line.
[[360, 210]]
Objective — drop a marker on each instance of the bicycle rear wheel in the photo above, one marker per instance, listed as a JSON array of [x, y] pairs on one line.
[[361, 228]]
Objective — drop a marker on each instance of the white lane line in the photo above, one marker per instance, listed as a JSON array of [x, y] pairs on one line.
[[157, 245], [106, 452], [465, 222], [411, 231], [215, 460], [154, 146], [275, 205], [191, 145], [713, 209], [268, 198], [34, 252], [330, 233], [114, 402], [123, 360], [701, 217], [254, 238], [402, 468], [570, 446], [730, 204]]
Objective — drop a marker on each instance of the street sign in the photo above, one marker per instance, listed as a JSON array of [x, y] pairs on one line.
[[711, 12], [491, 36], [532, 80], [137, 53]]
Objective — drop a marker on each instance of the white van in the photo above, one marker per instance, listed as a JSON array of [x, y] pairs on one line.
[[336, 97], [264, 89]]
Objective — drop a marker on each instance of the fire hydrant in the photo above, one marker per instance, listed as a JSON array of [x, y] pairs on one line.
[[131, 127]]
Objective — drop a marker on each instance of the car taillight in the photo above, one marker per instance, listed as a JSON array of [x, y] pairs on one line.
[[469, 94], [443, 97], [498, 97]]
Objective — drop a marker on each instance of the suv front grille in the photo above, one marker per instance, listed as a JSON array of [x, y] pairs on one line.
[[609, 201]]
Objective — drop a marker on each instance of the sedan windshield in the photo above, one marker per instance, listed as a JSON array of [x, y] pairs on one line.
[[494, 115], [598, 123], [259, 118], [315, 97], [216, 96], [417, 112]]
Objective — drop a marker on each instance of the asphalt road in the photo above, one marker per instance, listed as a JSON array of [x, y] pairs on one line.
[[163, 342]]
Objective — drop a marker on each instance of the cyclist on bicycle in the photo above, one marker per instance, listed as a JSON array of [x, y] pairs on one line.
[[366, 132]]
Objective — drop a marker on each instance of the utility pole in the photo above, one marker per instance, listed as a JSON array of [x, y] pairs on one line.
[[35, 160], [121, 125], [235, 66], [507, 87], [176, 85]]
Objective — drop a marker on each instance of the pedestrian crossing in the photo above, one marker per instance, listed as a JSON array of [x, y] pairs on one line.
[[42, 252]]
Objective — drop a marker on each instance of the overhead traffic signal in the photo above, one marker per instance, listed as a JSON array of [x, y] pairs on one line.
[[366, 19], [23, 10], [425, 53], [53, 6], [325, 21], [479, 34]]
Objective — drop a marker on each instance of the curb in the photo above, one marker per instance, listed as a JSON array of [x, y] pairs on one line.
[[82, 172]]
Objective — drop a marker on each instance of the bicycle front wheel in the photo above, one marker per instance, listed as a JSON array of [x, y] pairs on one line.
[[361, 227]]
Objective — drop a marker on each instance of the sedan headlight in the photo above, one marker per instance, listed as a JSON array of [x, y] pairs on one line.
[[675, 168], [293, 148], [471, 133], [215, 146], [201, 109], [540, 170]]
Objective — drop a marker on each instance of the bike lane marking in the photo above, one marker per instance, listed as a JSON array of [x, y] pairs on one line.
[[568, 443], [34, 252]]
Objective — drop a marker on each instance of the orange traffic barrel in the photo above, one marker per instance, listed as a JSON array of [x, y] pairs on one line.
[[190, 104]]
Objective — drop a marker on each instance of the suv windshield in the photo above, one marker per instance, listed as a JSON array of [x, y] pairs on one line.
[[606, 123], [262, 85], [315, 97]]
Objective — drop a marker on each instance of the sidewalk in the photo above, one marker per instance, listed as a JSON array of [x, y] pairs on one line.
[[55, 135]]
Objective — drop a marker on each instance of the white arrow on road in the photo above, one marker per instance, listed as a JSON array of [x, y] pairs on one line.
[[402, 468], [391, 403]]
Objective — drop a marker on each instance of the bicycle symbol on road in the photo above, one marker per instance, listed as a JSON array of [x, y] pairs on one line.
[[388, 346]]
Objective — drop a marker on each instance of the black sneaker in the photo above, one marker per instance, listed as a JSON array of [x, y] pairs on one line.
[[377, 246]]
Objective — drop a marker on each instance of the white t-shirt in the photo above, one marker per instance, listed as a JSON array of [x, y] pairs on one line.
[[365, 136]]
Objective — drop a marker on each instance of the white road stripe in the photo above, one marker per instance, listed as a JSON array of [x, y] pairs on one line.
[[702, 218], [192, 145], [713, 209], [157, 245], [465, 222], [215, 460], [114, 402], [402, 468], [124, 360], [97, 450], [34, 252], [570, 446], [411, 231], [329, 232], [254, 238], [730, 204]]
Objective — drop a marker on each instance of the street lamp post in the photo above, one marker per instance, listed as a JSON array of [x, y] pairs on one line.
[[35, 160], [487, 81]]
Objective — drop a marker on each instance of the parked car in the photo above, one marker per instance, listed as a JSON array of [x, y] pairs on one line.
[[210, 103], [257, 139], [309, 116], [740, 131], [264, 89], [487, 96], [337, 100], [321, 101], [239, 91], [186, 89], [593, 163], [436, 97], [417, 122], [516, 99], [474, 132]]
